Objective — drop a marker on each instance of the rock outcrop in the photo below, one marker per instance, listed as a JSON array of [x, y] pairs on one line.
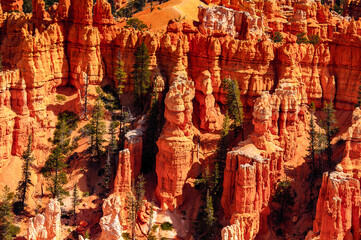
[[134, 142], [12, 5], [123, 178], [46, 226], [220, 21], [111, 222], [175, 144], [47, 51], [256, 165], [338, 207]]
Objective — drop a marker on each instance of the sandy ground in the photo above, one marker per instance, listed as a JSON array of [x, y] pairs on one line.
[[173, 9]]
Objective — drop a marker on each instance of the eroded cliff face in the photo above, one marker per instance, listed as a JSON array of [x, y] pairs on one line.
[[338, 205], [257, 164], [338, 208], [46, 51]]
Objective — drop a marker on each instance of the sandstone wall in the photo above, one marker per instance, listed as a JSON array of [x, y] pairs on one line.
[[52, 50], [338, 205]]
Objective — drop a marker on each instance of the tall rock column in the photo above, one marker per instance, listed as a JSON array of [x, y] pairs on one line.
[[134, 142], [338, 207], [84, 45], [175, 155]]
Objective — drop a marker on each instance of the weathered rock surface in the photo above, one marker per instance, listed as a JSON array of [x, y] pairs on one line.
[[175, 156], [123, 178], [134, 142], [12, 5], [338, 207], [46, 226], [256, 165], [49, 50], [111, 222]]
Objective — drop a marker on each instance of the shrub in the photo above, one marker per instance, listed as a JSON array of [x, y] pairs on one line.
[[284, 197], [126, 236], [314, 39], [60, 98], [301, 38], [277, 37], [18, 207], [136, 24], [166, 226]]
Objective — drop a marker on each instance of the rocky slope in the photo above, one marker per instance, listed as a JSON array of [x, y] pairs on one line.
[[44, 52]]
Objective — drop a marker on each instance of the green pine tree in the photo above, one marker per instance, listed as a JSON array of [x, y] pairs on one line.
[[152, 133], [112, 6], [7, 229], [27, 6], [141, 75], [329, 124], [206, 223], [113, 142], [283, 196], [54, 172], [134, 203], [107, 175], [234, 104], [120, 75], [95, 130], [223, 144], [49, 3], [25, 183], [75, 199], [54, 168], [358, 104], [311, 149]]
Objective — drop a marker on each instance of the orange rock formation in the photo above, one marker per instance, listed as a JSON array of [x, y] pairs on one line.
[[44, 51], [47, 226]]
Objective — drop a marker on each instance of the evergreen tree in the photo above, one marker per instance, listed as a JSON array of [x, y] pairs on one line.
[[75, 199], [141, 75], [150, 148], [329, 124], [312, 138], [321, 144], [54, 168], [95, 130], [223, 144], [234, 104], [120, 75], [53, 171], [27, 6], [139, 5], [284, 197], [358, 104], [112, 6], [25, 183], [49, 3], [113, 143], [107, 175], [206, 222], [134, 203], [7, 229]]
